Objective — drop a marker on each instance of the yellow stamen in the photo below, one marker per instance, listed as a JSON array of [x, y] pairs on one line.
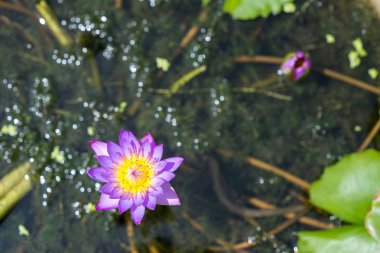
[[135, 174]]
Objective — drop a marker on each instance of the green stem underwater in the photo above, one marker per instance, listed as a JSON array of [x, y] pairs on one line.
[[13, 187], [52, 22], [9, 181]]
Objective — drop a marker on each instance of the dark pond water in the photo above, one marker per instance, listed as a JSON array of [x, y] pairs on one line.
[[59, 99]]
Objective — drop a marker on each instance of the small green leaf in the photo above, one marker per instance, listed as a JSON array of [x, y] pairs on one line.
[[373, 73], [358, 128], [22, 230], [57, 155], [348, 187], [354, 59], [347, 239], [330, 39], [122, 106], [251, 9], [90, 131], [162, 63], [90, 207], [372, 221], [10, 130], [358, 45]]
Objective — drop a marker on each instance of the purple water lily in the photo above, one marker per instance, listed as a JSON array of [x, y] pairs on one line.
[[296, 65], [135, 177]]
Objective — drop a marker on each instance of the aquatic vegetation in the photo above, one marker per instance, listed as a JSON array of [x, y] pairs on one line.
[[49, 18], [296, 65], [108, 78], [355, 56], [13, 187], [251, 9], [348, 189], [135, 177], [372, 220], [162, 63], [330, 39], [22, 230], [373, 73]]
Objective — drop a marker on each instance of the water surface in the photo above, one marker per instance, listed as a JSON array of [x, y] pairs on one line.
[[60, 98]]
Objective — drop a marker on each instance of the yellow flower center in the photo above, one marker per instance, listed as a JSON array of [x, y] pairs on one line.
[[135, 174]]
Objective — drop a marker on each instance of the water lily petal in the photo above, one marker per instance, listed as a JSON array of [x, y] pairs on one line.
[[114, 151], [156, 191], [124, 205], [117, 193], [99, 147], [173, 163], [105, 203], [156, 181], [110, 175], [166, 175], [137, 213], [169, 196], [150, 202], [108, 188], [97, 174], [288, 65], [298, 73], [159, 166], [105, 162], [124, 142], [138, 199], [134, 143], [300, 55], [146, 149], [148, 137], [157, 153]]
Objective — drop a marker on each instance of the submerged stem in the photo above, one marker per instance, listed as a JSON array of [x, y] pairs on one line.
[[370, 136], [287, 223], [243, 211], [324, 71], [95, 72], [224, 246], [349, 80], [17, 8], [131, 235], [9, 181], [15, 186], [304, 219], [51, 20], [279, 172], [186, 78]]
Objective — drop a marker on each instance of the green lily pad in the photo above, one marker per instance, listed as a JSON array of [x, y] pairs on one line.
[[251, 9], [347, 239], [348, 187], [372, 221]]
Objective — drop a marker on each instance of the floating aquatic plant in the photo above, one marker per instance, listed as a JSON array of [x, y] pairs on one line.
[[355, 56], [296, 65], [348, 189], [135, 177], [252, 9]]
